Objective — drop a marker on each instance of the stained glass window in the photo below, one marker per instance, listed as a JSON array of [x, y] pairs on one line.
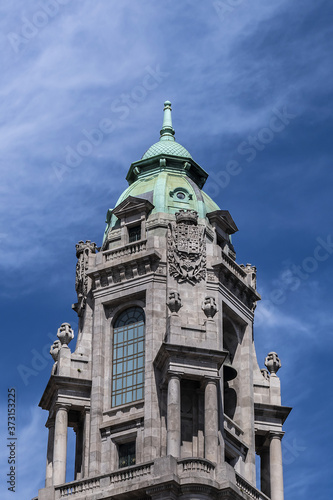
[[128, 357]]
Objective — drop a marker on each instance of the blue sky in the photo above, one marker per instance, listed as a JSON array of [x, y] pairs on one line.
[[251, 89]]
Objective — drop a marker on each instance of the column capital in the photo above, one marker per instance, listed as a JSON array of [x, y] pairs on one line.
[[62, 406], [50, 422], [172, 374], [275, 434], [210, 379]]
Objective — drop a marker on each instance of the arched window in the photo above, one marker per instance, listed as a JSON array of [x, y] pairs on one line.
[[128, 357]]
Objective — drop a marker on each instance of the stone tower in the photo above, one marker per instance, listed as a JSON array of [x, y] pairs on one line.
[[163, 389]]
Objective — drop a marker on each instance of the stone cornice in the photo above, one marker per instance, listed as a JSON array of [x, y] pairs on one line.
[[223, 219], [178, 165], [124, 263], [58, 385], [266, 413], [184, 361]]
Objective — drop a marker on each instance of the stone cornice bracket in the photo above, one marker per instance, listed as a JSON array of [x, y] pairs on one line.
[[272, 363]]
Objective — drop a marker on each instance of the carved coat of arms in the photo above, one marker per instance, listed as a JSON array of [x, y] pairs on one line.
[[186, 248]]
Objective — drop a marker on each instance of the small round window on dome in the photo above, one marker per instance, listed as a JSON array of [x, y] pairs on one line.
[[181, 195]]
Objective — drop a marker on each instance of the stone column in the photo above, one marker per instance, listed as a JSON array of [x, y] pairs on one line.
[[265, 481], [173, 416], [49, 454], [60, 444], [211, 420], [275, 459]]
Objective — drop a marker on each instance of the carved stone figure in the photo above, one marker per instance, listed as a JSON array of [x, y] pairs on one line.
[[55, 348], [174, 302], [186, 248], [265, 374], [81, 279], [272, 363], [54, 351], [65, 334], [209, 307]]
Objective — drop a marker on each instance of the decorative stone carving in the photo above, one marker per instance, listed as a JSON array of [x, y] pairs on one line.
[[187, 248], [265, 374], [83, 250], [272, 363], [211, 276], [251, 272], [209, 307], [174, 302], [54, 351], [65, 334]]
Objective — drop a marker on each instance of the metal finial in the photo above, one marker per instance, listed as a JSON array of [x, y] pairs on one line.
[[167, 132]]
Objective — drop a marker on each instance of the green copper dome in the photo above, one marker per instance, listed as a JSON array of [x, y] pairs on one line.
[[170, 192], [167, 177]]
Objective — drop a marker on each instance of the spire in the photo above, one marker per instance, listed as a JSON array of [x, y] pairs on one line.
[[167, 132]]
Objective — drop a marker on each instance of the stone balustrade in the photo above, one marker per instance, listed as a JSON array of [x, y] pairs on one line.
[[248, 489], [125, 251], [233, 266], [132, 472], [230, 425], [75, 488], [196, 465], [185, 465]]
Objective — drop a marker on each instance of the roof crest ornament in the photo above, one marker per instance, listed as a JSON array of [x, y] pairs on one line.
[[167, 132]]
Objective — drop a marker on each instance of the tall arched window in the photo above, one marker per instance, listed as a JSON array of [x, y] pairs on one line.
[[128, 357]]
